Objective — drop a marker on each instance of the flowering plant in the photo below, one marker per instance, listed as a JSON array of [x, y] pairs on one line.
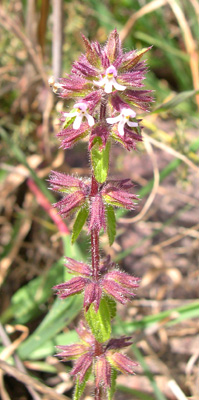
[[106, 85]]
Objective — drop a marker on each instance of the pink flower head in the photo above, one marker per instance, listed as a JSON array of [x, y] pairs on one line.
[[117, 193], [101, 71], [120, 285], [101, 357], [122, 363], [111, 281], [82, 282], [76, 192]]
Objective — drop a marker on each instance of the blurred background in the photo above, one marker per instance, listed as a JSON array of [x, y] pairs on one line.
[[158, 241]]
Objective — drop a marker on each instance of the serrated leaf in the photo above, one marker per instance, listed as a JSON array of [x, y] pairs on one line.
[[112, 306], [111, 391], [79, 387], [111, 223], [79, 223], [179, 98], [100, 161], [100, 321]]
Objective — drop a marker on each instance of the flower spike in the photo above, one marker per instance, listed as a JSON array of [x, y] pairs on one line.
[[106, 88]]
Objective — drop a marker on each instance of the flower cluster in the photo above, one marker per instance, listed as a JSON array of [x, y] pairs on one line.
[[104, 74], [77, 195], [111, 281], [101, 358]]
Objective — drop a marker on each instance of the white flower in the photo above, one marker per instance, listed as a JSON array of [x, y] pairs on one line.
[[109, 80], [80, 112], [122, 119]]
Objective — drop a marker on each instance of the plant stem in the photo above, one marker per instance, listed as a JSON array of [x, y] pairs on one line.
[[95, 241], [95, 253], [95, 237], [98, 394]]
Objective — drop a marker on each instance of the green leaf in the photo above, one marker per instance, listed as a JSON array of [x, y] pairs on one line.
[[112, 389], [111, 223], [179, 98], [100, 161], [79, 387], [79, 223], [100, 321], [112, 306]]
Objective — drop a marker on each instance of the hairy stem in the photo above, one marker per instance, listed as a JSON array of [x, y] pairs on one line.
[[95, 237], [98, 394], [95, 253], [94, 191]]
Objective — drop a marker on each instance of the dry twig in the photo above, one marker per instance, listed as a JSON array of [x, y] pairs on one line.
[[29, 381], [14, 26], [148, 8], [8, 351]]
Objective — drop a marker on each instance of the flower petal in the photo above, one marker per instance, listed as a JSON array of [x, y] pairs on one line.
[[132, 124], [77, 122], [101, 82], [113, 120], [108, 85], [117, 86], [121, 127], [90, 119]]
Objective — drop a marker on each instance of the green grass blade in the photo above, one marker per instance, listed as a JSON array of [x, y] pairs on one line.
[[183, 313], [175, 101], [26, 302], [163, 45], [61, 314], [158, 394], [136, 393]]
